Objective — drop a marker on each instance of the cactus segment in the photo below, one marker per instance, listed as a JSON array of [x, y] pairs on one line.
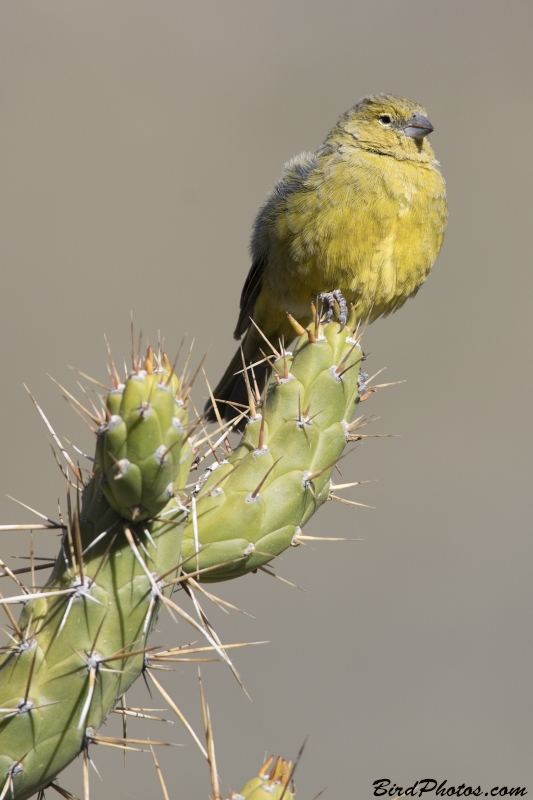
[[249, 507], [83, 637], [81, 649], [273, 782], [138, 446]]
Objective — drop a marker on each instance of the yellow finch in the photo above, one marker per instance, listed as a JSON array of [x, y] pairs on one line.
[[363, 216]]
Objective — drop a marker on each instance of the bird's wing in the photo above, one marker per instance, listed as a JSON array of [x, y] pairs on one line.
[[293, 179], [249, 294]]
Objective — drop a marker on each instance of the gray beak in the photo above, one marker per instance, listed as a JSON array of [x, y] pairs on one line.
[[418, 126]]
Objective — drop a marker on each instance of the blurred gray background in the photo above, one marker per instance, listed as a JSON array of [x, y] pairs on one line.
[[137, 141]]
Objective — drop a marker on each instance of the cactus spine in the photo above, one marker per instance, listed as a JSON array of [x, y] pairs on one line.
[[82, 640]]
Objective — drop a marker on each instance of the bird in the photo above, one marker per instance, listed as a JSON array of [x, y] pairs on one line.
[[360, 220]]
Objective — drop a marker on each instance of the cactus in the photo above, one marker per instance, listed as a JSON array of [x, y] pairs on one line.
[[81, 640], [139, 448], [132, 534], [273, 782], [251, 506]]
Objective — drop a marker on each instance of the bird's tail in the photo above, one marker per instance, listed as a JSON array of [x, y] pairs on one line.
[[231, 394]]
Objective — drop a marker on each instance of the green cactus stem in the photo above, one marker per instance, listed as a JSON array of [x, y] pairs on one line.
[[83, 637], [273, 782], [132, 534], [250, 507]]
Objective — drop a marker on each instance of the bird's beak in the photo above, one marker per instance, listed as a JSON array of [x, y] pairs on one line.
[[418, 126]]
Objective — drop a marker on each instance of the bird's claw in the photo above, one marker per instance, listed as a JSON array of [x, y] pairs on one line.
[[329, 301]]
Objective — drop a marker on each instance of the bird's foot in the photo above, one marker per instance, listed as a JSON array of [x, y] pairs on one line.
[[334, 304]]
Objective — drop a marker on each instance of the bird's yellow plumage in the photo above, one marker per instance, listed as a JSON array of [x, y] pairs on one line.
[[363, 214]]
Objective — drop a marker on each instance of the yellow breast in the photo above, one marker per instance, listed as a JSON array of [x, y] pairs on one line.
[[364, 223]]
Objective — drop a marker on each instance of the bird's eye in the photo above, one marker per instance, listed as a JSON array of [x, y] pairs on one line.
[[385, 119]]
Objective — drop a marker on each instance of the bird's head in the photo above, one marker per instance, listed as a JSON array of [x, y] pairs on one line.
[[387, 124]]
